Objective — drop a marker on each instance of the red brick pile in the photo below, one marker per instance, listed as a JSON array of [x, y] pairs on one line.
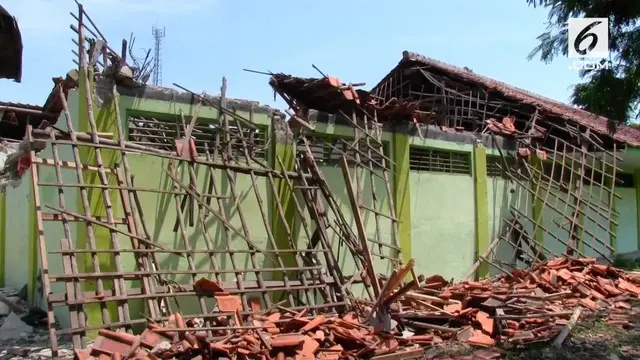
[[274, 336], [522, 307]]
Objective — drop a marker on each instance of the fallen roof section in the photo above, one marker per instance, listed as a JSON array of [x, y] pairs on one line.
[[326, 94], [555, 108], [14, 117]]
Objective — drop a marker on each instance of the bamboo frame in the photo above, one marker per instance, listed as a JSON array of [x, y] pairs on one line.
[[567, 186], [165, 273]]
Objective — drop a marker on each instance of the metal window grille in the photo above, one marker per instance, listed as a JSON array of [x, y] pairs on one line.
[[161, 133], [424, 159], [328, 151], [496, 166]]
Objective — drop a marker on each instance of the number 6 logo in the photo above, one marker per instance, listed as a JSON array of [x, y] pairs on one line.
[[588, 38], [584, 35]]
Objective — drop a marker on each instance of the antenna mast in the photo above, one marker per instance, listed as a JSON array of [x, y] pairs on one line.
[[158, 35]]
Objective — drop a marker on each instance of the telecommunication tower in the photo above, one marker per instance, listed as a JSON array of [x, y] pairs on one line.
[[158, 35]]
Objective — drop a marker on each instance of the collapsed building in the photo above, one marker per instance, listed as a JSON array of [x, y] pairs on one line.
[[142, 196]]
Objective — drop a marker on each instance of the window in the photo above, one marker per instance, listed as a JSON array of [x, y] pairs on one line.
[[160, 133], [445, 161], [496, 165], [329, 150]]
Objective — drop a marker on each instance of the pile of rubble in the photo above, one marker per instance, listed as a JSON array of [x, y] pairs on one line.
[[521, 307], [517, 308], [274, 336]]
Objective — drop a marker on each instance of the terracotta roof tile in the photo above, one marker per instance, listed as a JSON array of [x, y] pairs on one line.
[[595, 122]]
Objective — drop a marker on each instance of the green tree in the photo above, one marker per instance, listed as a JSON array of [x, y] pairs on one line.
[[614, 92]]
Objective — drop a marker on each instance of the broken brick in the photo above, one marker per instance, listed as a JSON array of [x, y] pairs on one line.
[[318, 336], [480, 339], [522, 337], [485, 322], [287, 340], [453, 308], [624, 285], [314, 323], [487, 354], [589, 304], [208, 287], [254, 304], [229, 303], [565, 274], [309, 347]]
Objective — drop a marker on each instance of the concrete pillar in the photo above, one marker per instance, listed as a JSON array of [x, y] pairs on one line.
[[402, 192], [481, 203], [284, 150]]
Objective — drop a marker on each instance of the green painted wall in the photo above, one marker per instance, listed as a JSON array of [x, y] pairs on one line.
[[333, 175], [105, 120], [442, 217], [481, 207], [17, 267], [160, 216], [402, 192], [54, 230], [628, 222], [21, 254], [438, 226], [507, 199], [442, 223], [499, 200], [283, 217], [336, 182], [160, 209]]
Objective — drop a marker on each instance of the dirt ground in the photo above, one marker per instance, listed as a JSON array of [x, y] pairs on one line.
[[591, 339]]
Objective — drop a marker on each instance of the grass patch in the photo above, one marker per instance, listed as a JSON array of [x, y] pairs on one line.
[[592, 338]]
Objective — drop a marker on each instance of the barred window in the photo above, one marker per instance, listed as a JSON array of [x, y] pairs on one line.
[[434, 160], [161, 133]]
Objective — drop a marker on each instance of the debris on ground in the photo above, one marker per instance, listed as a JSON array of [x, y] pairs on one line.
[[512, 310], [14, 327], [521, 307], [274, 335]]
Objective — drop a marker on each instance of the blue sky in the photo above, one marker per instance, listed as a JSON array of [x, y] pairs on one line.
[[356, 40]]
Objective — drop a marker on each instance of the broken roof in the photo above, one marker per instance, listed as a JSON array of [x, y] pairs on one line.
[[14, 117], [599, 124], [161, 93]]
